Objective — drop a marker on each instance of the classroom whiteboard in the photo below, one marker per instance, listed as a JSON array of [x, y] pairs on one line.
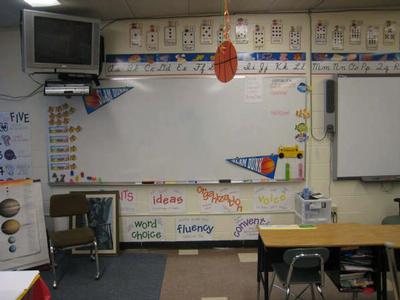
[[183, 129], [367, 140]]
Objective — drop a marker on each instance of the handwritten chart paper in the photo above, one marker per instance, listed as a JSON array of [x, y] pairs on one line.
[[254, 91], [15, 146], [194, 229]]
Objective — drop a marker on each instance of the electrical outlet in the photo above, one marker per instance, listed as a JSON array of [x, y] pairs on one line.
[[220, 35], [136, 35], [152, 38], [295, 38], [355, 32], [188, 38], [321, 33], [259, 37], [206, 32], [389, 33], [276, 32], [241, 31], [170, 34], [338, 38], [372, 37]]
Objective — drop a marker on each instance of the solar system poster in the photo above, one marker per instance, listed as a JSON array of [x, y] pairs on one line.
[[19, 235], [15, 146]]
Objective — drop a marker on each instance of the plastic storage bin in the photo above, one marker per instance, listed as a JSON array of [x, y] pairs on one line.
[[312, 211]]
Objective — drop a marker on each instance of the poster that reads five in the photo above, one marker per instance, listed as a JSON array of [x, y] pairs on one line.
[[15, 146]]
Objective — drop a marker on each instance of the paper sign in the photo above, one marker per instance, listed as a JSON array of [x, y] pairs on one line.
[[246, 227], [219, 200], [167, 200], [142, 229], [19, 236], [127, 202], [15, 146], [281, 86], [270, 198], [194, 229], [254, 91]]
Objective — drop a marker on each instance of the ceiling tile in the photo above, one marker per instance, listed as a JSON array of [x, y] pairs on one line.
[[159, 8]]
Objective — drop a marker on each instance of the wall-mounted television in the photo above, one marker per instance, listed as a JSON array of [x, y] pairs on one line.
[[55, 43]]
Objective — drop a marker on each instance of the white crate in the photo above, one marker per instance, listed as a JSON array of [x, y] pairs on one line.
[[312, 211]]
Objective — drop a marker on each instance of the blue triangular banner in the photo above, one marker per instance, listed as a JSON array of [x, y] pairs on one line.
[[264, 165], [101, 96]]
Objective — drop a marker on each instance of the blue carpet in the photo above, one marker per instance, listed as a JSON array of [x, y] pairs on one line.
[[127, 276]]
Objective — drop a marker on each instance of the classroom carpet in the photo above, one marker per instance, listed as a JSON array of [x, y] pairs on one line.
[[127, 276]]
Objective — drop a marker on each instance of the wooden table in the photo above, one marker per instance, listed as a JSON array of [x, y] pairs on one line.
[[332, 236]]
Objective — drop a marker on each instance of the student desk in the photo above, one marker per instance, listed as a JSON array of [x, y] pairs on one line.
[[272, 243]]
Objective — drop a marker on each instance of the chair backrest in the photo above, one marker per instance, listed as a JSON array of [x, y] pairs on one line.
[[63, 205], [306, 257]]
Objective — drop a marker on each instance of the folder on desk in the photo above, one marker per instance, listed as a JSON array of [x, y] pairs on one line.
[[286, 227]]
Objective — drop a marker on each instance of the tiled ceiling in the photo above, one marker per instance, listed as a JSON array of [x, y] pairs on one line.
[[119, 9]]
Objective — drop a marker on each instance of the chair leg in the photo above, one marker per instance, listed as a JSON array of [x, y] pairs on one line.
[[53, 266], [320, 291], [272, 285], [97, 260], [312, 291], [287, 293]]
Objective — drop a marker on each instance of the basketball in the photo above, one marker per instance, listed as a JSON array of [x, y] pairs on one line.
[[225, 64], [267, 165]]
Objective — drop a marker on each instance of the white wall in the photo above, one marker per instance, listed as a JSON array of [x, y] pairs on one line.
[[356, 201]]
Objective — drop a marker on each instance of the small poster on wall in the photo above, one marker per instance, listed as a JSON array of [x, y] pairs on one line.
[[15, 146], [143, 229], [219, 199], [270, 198], [245, 227], [194, 229], [167, 200], [23, 241]]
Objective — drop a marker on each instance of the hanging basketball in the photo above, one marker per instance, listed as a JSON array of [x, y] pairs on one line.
[[225, 64]]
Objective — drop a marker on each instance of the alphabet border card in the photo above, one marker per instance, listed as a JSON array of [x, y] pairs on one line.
[[103, 219]]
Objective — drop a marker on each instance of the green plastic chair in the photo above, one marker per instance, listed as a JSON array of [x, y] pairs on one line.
[[301, 266], [395, 219]]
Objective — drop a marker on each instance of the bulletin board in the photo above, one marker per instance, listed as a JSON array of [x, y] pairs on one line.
[[366, 141], [183, 130]]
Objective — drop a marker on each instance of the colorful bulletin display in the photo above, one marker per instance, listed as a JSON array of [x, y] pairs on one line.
[[191, 130], [23, 241], [15, 146]]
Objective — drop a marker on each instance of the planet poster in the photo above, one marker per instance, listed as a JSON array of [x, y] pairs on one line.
[[15, 146], [18, 220]]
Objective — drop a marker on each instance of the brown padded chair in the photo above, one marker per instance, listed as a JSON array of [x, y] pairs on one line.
[[68, 205]]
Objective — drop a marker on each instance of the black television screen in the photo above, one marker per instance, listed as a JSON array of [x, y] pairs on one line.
[[62, 41], [59, 43]]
